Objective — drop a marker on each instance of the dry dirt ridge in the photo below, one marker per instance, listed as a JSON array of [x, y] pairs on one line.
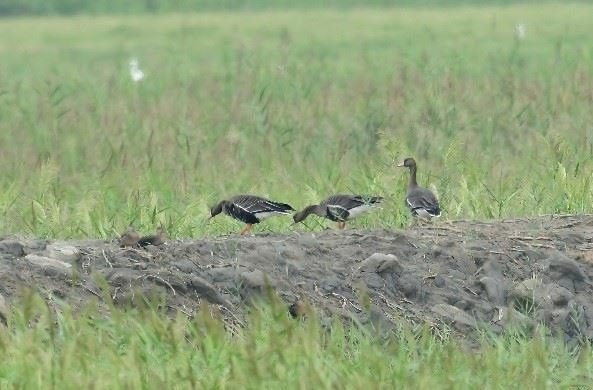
[[463, 276]]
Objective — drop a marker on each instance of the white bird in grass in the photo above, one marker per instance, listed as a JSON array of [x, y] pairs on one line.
[[135, 72], [520, 31]]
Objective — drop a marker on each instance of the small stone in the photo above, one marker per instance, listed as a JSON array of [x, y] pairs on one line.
[[65, 253], [454, 315], [380, 262], [49, 265], [12, 247]]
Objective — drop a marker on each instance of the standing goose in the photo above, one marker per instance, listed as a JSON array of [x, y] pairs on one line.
[[421, 201], [340, 208], [250, 209]]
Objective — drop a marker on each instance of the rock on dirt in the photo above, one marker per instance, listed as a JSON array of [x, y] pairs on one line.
[[48, 265], [461, 275], [63, 252], [457, 317], [379, 263], [12, 247]]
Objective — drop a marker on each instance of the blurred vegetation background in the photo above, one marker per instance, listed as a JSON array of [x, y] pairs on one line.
[[295, 105], [69, 7]]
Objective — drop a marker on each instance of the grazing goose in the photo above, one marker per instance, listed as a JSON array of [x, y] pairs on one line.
[[250, 209], [421, 201], [154, 239], [340, 208], [130, 238]]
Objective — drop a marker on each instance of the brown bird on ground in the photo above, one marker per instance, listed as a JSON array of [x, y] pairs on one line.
[[154, 239], [250, 209], [130, 238], [299, 309]]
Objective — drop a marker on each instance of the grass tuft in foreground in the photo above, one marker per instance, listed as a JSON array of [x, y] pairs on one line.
[[144, 348]]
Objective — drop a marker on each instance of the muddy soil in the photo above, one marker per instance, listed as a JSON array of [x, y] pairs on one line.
[[455, 276]]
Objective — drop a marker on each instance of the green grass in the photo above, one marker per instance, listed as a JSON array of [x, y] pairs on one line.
[[145, 349], [70, 7], [294, 105]]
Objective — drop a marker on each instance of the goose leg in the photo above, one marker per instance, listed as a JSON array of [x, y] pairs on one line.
[[246, 229], [341, 225]]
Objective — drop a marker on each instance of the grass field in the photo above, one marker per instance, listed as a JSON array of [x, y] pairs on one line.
[[143, 349], [294, 105]]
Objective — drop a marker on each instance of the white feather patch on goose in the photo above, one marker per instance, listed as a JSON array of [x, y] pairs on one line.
[[353, 212], [267, 214], [359, 210], [261, 215]]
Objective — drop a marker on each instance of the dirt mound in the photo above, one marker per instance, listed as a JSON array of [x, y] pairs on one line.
[[470, 275]]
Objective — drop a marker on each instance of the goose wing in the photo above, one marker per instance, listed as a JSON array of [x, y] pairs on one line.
[[349, 202], [422, 201], [341, 206], [256, 205]]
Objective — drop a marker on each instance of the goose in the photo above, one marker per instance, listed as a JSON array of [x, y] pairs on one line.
[[250, 209], [421, 201], [340, 208]]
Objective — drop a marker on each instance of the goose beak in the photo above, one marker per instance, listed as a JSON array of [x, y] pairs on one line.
[[401, 164]]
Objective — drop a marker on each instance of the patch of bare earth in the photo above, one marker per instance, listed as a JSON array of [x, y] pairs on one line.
[[461, 275]]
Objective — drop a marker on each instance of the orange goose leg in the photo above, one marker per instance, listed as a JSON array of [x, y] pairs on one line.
[[246, 229]]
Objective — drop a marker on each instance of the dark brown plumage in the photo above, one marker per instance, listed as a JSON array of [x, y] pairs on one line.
[[154, 239], [340, 208], [299, 309], [130, 238]]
